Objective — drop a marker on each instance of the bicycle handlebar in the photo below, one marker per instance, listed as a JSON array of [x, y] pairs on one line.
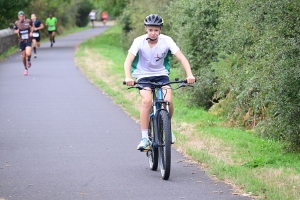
[[159, 85]]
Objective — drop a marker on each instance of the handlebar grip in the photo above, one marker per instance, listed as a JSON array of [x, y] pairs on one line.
[[185, 81], [124, 83]]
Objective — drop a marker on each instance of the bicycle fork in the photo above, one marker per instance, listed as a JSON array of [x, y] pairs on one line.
[[158, 105]]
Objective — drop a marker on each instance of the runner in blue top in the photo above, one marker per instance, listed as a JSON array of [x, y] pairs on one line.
[[36, 37], [148, 60]]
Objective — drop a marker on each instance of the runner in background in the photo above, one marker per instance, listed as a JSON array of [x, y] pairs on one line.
[[92, 16], [23, 27], [51, 23], [36, 37], [104, 17]]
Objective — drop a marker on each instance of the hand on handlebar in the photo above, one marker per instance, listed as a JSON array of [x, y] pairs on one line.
[[129, 82], [190, 79]]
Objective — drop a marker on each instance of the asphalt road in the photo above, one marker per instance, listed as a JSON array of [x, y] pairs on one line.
[[62, 138]]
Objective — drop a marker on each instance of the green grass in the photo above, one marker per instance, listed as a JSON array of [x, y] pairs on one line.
[[9, 52], [257, 166], [73, 30]]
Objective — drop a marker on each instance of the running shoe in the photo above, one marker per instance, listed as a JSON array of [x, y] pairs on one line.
[[29, 63], [25, 72], [173, 138], [51, 45], [144, 144], [35, 55]]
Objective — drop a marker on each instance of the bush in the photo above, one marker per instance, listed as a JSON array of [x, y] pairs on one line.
[[193, 25], [84, 8], [264, 36], [9, 11]]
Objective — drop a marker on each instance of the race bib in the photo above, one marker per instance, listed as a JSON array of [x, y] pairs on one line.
[[35, 34], [51, 27], [24, 37]]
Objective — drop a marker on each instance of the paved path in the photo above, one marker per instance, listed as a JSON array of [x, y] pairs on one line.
[[62, 138]]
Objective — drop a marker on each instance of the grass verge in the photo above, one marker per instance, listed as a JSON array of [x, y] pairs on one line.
[[9, 52], [256, 167]]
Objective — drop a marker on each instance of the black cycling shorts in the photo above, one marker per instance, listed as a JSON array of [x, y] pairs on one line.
[[157, 79]]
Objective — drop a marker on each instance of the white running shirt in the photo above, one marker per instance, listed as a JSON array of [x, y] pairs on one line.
[[152, 61], [92, 15]]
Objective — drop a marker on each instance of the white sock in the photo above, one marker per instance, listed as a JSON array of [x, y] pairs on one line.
[[145, 133]]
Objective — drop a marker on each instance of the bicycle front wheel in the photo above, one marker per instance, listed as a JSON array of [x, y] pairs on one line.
[[153, 152], [164, 148]]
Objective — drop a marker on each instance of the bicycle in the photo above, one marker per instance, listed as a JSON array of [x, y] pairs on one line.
[[160, 133]]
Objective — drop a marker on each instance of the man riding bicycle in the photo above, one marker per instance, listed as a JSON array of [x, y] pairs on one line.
[[148, 59]]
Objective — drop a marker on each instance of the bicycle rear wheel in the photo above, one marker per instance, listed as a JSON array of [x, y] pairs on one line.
[[165, 139], [153, 152]]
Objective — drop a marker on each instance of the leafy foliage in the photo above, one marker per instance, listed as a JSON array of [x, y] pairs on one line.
[[193, 25], [265, 39], [9, 11], [84, 8], [114, 8]]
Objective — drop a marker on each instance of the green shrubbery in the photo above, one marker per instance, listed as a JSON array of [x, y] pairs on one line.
[[245, 55], [264, 38], [83, 10], [193, 25], [9, 12]]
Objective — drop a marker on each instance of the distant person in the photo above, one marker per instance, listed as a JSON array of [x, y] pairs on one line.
[[36, 37], [92, 16], [24, 28], [51, 23], [104, 17]]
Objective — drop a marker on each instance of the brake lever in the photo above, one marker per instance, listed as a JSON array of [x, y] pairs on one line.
[[136, 86], [131, 87], [184, 85]]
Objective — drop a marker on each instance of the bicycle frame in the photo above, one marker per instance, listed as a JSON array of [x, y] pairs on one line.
[[158, 101], [160, 126]]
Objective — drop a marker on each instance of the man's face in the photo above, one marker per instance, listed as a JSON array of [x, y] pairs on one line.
[[50, 15], [33, 17], [153, 31], [21, 17]]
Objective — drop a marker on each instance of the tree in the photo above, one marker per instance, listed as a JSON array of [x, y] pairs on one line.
[[9, 11]]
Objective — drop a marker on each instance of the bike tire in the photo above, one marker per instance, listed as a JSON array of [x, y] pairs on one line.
[[165, 139], [153, 152]]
